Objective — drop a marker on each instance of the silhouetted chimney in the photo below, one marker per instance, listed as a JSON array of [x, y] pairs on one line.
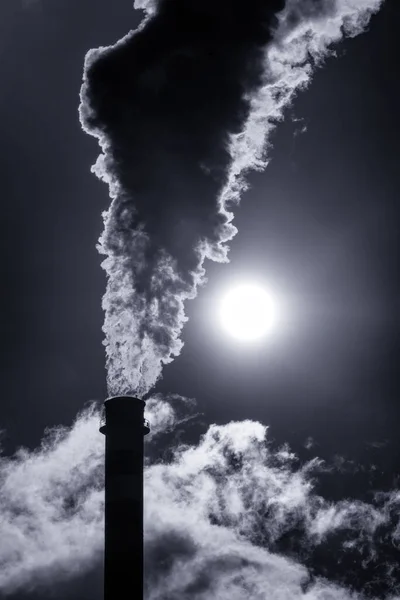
[[124, 427]]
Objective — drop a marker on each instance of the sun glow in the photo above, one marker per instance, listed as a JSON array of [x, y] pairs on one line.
[[248, 312]]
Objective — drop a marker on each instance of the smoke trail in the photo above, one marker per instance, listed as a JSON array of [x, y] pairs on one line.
[[182, 109]]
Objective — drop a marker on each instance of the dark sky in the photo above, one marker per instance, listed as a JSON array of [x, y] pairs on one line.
[[319, 226]]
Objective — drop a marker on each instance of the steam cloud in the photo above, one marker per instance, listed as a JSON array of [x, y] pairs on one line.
[[182, 109], [229, 518]]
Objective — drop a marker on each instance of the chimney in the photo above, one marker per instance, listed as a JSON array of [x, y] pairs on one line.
[[124, 426]]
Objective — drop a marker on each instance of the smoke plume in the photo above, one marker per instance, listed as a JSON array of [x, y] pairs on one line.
[[182, 109]]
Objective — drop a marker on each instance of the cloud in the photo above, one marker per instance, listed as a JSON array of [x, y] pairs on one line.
[[228, 517], [233, 481], [167, 412], [51, 503], [51, 499], [182, 109]]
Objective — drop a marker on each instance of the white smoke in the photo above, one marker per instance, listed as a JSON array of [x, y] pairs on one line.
[[305, 37], [166, 413], [51, 499], [212, 514], [148, 6], [51, 504]]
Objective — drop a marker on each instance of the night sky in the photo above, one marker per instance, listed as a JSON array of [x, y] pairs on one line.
[[319, 227]]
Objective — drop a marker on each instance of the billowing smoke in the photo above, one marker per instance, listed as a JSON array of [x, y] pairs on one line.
[[182, 109], [231, 517], [164, 102]]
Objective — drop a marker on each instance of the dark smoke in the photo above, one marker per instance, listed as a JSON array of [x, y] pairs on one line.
[[182, 109], [164, 102]]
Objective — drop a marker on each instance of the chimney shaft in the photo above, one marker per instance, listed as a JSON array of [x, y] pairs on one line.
[[124, 428]]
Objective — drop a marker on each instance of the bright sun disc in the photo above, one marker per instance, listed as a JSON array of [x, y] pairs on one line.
[[247, 312]]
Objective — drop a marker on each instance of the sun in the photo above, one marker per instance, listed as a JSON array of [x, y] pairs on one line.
[[247, 312]]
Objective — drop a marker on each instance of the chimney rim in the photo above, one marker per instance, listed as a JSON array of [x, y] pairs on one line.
[[127, 400], [127, 397]]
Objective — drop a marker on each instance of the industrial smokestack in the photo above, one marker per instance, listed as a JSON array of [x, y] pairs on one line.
[[124, 426]]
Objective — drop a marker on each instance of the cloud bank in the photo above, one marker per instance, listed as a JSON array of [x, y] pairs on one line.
[[230, 517], [183, 108]]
